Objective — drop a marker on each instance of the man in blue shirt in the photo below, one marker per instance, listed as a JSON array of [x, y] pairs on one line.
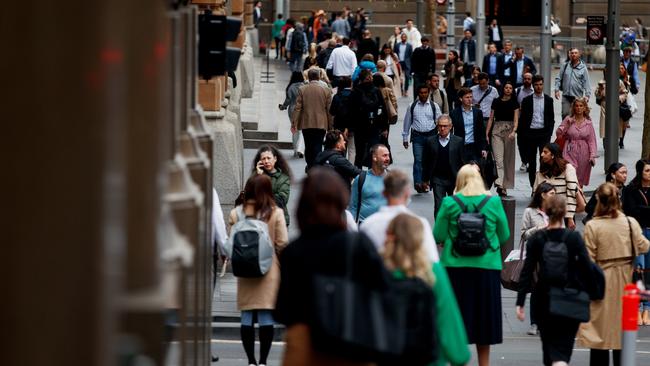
[[420, 124], [468, 124], [369, 198], [493, 64]]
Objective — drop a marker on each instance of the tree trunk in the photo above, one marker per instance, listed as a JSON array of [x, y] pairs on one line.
[[431, 19], [645, 142]]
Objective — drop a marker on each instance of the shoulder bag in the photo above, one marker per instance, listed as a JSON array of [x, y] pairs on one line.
[[512, 267], [569, 302], [371, 325]]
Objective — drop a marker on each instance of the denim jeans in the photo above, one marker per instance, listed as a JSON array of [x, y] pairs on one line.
[[264, 317], [643, 261], [418, 140]]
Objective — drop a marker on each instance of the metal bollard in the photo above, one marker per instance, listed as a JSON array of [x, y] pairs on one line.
[[629, 325], [509, 206]]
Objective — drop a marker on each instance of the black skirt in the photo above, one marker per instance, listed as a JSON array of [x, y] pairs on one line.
[[478, 292]]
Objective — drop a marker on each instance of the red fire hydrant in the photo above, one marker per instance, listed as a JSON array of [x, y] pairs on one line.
[[629, 324]]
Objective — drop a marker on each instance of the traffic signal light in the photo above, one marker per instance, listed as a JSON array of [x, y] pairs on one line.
[[215, 57]]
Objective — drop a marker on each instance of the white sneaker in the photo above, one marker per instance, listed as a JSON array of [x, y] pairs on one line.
[[532, 330], [523, 167]]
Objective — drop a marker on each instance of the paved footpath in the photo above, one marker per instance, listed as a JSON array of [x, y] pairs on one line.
[[518, 348]]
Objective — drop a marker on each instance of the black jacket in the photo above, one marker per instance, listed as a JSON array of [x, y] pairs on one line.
[[367, 45], [430, 156], [486, 65], [341, 165], [634, 205], [526, 117], [528, 63], [579, 269], [322, 250], [367, 98], [466, 45], [479, 128], [423, 61]]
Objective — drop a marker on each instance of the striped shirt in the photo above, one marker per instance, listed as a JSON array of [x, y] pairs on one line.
[[566, 184]]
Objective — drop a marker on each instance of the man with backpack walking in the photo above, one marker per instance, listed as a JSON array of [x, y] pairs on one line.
[[370, 117], [368, 187], [420, 124], [296, 47], [333, 157]]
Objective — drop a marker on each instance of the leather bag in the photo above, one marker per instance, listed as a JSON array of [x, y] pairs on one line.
[[570, 303], [365, 324]]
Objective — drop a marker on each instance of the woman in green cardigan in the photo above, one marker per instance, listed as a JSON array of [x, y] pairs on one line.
[[270, 161], [406, 257], [475, 279]]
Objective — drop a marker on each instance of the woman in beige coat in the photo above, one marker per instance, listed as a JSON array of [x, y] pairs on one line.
[[613, 240], [257, 296]]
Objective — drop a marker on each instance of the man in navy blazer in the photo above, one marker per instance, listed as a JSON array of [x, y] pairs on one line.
[[534, 132], [404, 50], [519, 65], [468, 124]]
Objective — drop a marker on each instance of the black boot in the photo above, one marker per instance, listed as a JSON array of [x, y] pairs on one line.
[[620, 143]]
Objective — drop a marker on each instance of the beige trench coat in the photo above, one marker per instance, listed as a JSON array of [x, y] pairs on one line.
[[608, 243], [261, 293]]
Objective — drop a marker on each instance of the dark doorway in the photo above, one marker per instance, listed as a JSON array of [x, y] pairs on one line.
[[514, 12]]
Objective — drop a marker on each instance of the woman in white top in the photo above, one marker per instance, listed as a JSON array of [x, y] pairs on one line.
[[534, 220], [393, 69]]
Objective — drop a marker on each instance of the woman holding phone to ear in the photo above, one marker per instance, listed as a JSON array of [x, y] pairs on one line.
[[270, 161]]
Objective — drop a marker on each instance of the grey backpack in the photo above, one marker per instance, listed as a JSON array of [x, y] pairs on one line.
[[249, 246]]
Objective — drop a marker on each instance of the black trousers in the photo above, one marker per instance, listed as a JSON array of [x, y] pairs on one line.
[[600, 357], [313, 144], [441, 188], [531, 146]]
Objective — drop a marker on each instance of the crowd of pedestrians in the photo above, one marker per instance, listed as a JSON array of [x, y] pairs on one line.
[[357, 232]]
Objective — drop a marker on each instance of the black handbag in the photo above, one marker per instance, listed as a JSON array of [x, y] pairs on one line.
[[624, 111], [488, 169], [371, 325], [570, 303]]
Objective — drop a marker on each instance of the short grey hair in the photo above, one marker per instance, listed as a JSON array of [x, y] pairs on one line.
[[443, 116], [313, 74]]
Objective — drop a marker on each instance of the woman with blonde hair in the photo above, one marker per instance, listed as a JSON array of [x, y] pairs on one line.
[[404, 255], [311, 62], [475, 277], [613, 240], [580, 147]]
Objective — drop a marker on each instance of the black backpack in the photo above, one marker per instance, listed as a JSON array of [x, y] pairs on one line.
[[297, 41], [370, 103], [555, 261], [471, 240]]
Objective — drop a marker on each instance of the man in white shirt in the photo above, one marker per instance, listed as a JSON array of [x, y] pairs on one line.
[[483, 95], [397, 191], [420, 124], [342, 61], [413, 34]]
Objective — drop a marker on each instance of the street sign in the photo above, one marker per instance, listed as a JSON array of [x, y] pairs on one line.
[[595, 29]]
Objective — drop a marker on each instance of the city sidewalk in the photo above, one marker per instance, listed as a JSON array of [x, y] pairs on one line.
[[224, 304]]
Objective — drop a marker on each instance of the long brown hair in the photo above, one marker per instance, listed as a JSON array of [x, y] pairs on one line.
[[404, 250], [608, 202], [323, 200], [258, 188], [557, 166]]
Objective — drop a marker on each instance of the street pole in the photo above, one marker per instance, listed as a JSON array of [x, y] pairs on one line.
[[480, 31], [611, 106], [451, 25], [545, 48], [419, 16]]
